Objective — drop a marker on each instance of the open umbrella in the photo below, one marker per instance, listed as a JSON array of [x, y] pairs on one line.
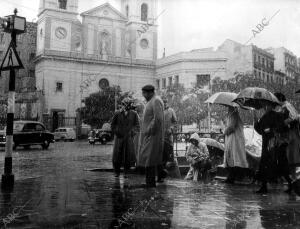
[[255, 97], [223, 98]]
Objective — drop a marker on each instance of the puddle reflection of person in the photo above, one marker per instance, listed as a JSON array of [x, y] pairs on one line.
[[121, 202]]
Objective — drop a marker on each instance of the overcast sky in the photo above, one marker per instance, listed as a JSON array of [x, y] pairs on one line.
[[194, 24]]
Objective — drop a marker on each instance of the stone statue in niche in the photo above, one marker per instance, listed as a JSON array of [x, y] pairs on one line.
[[127, 45], [105, 45]]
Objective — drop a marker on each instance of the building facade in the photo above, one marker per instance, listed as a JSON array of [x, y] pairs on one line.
[[190, 68], [109, 47], [286, 62], [28, 98], [248, 59]]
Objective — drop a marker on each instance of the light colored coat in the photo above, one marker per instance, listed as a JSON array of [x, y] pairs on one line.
[[152, 134], [235, 153]]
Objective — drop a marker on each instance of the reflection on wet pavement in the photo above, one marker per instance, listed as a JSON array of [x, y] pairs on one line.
[[53, 189]]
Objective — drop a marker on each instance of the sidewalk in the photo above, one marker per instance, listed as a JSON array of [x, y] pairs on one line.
[[74, 197]]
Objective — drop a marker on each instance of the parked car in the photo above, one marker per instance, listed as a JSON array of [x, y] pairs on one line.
[[65, 134], [102, 135], [27, 133]]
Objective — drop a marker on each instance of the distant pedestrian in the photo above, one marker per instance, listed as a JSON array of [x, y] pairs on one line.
[[152, 136], [125, 126], [170, 121], [235, 153], [198, 157]]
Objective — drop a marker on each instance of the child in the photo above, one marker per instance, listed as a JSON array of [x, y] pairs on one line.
[[198, 157]]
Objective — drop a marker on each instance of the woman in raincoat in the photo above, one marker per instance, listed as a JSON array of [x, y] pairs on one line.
[[198, 157], [235, 153]]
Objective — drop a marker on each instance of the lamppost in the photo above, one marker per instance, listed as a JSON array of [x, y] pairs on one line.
[[14, 25]]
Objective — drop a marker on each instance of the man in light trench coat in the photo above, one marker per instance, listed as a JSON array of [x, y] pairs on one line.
[[152, 136]]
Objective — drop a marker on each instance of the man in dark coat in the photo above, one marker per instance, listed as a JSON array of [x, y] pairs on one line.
[[125, 125], [152, 136], [270, 125]]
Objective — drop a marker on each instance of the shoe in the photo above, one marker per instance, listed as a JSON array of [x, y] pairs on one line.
[[262, 190]]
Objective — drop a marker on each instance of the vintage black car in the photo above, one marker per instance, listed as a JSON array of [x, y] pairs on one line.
[[27, 133]]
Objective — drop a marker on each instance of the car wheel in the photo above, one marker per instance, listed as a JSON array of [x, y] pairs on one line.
[[46, 144]]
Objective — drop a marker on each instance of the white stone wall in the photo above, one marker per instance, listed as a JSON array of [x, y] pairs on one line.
[[187, 71], [73, 74]]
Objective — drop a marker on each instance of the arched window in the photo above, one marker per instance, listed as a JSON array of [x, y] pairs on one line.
[[127, 11], [62, 4], [144, 12]]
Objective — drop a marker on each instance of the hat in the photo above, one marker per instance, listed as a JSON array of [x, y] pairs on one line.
[[196, 137], [148, 88]]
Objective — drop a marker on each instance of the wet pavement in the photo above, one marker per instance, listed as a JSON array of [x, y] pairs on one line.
[[55, 189]]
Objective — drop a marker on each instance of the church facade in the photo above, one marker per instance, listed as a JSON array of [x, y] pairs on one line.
[[107, 47]]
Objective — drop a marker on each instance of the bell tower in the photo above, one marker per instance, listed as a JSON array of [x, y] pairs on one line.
[[141, 28], [67, 6], [57, 25]]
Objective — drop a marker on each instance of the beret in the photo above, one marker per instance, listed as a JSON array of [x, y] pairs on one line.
[[148, 87]]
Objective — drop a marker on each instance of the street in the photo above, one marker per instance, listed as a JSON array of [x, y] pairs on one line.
[[57, 188]]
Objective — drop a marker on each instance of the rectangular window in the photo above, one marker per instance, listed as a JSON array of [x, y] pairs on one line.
[[2, 38], [258, 59], [255, 73], [164, 83], [263, 61], [31, 56], [59, 86], [1, 53], [158, 84], [177, 79], [31, 73], [170, 81], [202, 80]]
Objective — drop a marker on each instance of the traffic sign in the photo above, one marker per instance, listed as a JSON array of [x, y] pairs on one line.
[[11, 59]]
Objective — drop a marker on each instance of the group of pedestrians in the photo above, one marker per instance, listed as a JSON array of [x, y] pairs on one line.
[[144, 141], [280, 156]]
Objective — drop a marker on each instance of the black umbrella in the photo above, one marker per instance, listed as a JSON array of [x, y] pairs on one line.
[[298, 91], [255, 97]]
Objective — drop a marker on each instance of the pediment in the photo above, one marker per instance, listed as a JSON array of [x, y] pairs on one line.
[[106, 10]]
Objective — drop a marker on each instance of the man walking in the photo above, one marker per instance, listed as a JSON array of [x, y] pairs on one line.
[[152, 135], [125, 125]]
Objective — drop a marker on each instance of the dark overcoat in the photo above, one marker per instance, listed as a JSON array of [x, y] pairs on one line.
[[125, 127]]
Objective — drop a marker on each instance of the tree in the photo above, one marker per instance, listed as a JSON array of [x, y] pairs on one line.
[[100, 107], [188, 104]]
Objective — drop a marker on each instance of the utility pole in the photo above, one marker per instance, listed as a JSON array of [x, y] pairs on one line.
[[14, 25]]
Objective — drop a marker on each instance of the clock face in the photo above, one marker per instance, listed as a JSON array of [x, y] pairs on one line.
[[61, 33]]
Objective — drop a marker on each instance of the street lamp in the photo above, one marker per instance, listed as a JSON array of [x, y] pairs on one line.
[[14, 25]]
